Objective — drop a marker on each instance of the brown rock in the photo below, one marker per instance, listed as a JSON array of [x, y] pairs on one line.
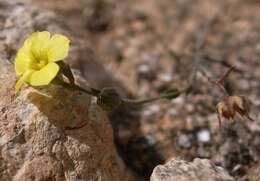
[[50, 133], [39, 138], [198, 170]]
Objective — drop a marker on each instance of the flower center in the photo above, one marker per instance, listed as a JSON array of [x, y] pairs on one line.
[[39, 60], [41, 63]]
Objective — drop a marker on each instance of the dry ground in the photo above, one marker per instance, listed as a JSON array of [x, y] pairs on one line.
[[147, 47]]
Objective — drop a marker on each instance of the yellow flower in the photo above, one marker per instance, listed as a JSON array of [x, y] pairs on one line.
[[35, 60]]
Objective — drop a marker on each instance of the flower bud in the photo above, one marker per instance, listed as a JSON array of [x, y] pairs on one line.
[[109, 99]]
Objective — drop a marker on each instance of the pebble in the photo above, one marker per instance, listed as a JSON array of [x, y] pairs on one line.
[[150, 140], [144, 69], [166, 78], [203, 136], [184, 141], [151, 110], [146, 72]]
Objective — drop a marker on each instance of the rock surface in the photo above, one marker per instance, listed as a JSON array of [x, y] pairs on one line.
[[198, 170], [40, 138], [50, 133]]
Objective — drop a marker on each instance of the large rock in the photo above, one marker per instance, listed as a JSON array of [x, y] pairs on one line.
[[198, 170], [53, 134], [50, 133]]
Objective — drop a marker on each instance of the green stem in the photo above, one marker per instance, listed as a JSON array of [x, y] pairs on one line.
[[95, 92], [141, 102], [92, 91]]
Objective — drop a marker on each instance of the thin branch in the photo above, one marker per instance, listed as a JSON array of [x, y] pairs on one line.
[[219, 83], [222, 62], [225, 75]]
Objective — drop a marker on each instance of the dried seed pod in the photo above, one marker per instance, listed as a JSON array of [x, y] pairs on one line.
[[239, 104], [224, 109], [230, 105]]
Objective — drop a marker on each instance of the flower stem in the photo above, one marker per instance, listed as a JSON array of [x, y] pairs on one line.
[[92, 91], [108, 99], [169, 95]]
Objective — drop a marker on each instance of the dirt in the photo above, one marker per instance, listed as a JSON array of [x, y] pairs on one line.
[[146, 47]]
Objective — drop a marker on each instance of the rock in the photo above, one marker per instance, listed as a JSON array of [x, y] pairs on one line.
[[198, 170], [48, 133], [53, 133], [203, 136], [185, 141]]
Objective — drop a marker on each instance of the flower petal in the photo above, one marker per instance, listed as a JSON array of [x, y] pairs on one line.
[[39, 44], [25, 78], [28, 42], [34, 46], [45, 75], [58, 48], [23, 58], [22, 61]]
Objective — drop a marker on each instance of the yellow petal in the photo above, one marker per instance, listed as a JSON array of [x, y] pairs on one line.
[[45, 75], [28, 42], [39, 44], [22, 61], [25, 78], [58, 48], [34, 46], [23, 57]]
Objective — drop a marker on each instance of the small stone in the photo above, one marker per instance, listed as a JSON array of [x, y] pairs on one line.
[[190, 108], [150, 140], [184, 141], [152, 110], [166, 78], [145, 72], [180, 170], [144, 68], [203, 136]]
